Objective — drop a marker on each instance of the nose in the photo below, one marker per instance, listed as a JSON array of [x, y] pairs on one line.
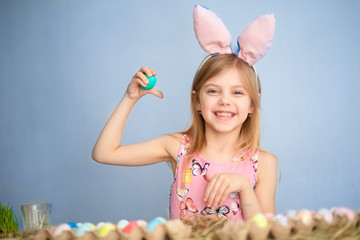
[[224, 100]]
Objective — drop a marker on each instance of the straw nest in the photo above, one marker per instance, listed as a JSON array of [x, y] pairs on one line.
[[304, 224]]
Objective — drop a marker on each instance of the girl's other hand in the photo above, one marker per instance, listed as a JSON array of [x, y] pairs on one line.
[[221, 185], [134, 91]]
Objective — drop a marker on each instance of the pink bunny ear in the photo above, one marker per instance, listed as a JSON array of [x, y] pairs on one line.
[[210, 31], [256, 39]]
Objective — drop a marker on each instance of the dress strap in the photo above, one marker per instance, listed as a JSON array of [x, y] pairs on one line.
[[254, 159], [184, 148]]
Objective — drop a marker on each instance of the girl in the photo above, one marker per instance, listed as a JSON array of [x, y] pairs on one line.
[[219, 168]]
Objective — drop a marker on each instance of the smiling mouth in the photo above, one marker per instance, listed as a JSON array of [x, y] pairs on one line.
[[224, 114]]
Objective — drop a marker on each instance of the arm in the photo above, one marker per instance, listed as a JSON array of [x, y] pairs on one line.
[[108, 148], [262, 200], [266, 182]]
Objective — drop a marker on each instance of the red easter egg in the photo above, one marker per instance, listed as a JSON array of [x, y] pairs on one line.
[[130, 227]]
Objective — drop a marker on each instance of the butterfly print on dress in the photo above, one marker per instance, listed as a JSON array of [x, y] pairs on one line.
[[188, 205], [222, 211], [198, 170]]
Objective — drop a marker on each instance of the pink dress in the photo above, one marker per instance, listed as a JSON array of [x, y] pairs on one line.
[[187, 199]]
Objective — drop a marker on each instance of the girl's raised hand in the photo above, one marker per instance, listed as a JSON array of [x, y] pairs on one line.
[[134, 91], [221, 185]]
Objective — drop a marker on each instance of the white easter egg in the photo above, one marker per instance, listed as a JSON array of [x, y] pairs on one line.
[[60, 228]]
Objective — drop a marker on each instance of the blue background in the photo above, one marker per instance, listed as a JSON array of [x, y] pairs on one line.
[[65, 64]]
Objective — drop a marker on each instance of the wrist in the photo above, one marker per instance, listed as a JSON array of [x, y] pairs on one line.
[[127, 97], [246, 186]]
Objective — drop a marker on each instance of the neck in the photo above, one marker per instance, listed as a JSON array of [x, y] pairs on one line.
[[224, 143]]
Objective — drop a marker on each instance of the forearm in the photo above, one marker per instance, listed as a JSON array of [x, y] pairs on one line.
[[110, 136], [249, 202]]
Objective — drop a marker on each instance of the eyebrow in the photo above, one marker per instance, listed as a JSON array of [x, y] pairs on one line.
[[215, 85]]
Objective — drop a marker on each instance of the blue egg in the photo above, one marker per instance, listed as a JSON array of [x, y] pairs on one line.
[[291, 213], [72, 225], [86, 227], [281, 219], [153, 223]]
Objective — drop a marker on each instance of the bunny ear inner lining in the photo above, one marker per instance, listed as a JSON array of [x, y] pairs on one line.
[[214, 37]]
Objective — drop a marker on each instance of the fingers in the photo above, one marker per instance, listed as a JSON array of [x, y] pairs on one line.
[[156, 92], [217, 191], [134, 90], [140, 77]]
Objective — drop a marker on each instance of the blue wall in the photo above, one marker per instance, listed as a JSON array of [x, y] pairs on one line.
[[64, 66]]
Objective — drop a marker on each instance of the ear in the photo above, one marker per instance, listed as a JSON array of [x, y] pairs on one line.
[[252, 109], [198, 106], [256, 39], [197, 102], [210, 31]]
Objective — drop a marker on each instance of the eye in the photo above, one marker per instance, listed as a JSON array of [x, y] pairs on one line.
[[212, 91], [238, 93]]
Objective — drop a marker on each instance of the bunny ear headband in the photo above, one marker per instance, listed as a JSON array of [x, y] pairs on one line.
[[214, 37]]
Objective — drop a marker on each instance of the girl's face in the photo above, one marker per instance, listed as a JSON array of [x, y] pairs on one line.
[[224, 102]]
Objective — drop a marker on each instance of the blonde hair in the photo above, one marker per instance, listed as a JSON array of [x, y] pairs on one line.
[[250, 130]]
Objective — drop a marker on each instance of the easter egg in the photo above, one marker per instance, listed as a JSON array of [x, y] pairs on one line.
[[325, 214], [72, 225], [86, 227], [290, 213], [122, 224], [130, 226], [305, 216], [151, 84], [260, 220], [141, 222], [60, 228], [99, 225], [268, 215], [153, 223], [105, 229], [281, 219], [345, 212]]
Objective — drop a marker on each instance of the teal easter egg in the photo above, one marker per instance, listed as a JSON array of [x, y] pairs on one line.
[[153, 223], [86, 227], [151, 84]]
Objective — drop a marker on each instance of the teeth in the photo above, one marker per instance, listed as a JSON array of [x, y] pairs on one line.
[[224, 114]]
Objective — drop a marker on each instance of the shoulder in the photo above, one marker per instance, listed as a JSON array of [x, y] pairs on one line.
[[267, 164], [265, 156], [171, 143]]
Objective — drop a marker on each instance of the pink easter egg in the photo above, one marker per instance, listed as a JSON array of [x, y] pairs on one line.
[[344, 211]]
